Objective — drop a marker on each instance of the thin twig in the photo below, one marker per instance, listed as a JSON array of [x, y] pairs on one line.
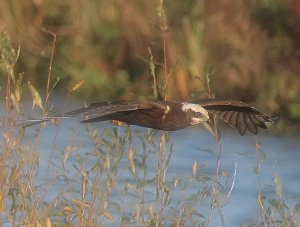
[[259, 196], [50, 64], [233, 181]]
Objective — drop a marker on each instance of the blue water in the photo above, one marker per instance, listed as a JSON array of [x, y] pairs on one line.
[[282, 155]]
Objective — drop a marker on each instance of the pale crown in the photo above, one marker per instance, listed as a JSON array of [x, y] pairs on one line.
[[194, 107]]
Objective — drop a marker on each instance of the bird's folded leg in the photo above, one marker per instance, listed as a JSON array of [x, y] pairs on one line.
[[118, 123]]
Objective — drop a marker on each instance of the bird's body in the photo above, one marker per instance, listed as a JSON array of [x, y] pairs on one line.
[[171, 115], [162, 115]]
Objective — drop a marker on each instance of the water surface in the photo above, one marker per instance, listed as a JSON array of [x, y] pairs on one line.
[[194, 144]]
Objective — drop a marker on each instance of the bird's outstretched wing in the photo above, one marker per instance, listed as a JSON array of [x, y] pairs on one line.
[[236, 113], [101, 111]]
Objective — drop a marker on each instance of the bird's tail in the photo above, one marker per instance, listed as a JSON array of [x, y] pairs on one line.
[[30, 122]]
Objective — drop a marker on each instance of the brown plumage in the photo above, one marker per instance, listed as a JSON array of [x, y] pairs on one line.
[[170, 115], [162, 115]]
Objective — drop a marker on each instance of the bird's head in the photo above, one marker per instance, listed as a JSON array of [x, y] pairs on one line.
[[194, 113]]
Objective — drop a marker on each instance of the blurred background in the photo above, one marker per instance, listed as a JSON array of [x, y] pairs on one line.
[[249, 50]]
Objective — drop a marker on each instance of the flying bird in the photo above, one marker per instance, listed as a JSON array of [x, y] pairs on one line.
[[170, 115]]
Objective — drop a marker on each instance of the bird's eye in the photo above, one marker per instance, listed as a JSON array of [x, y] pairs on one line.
[[197, 114]]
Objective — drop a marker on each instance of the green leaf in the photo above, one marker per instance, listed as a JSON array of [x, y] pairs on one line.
[[277, 205], [35, 95], [18, 90], [278, 185]]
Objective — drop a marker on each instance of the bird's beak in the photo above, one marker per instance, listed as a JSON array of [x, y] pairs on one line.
[[205, 117]]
